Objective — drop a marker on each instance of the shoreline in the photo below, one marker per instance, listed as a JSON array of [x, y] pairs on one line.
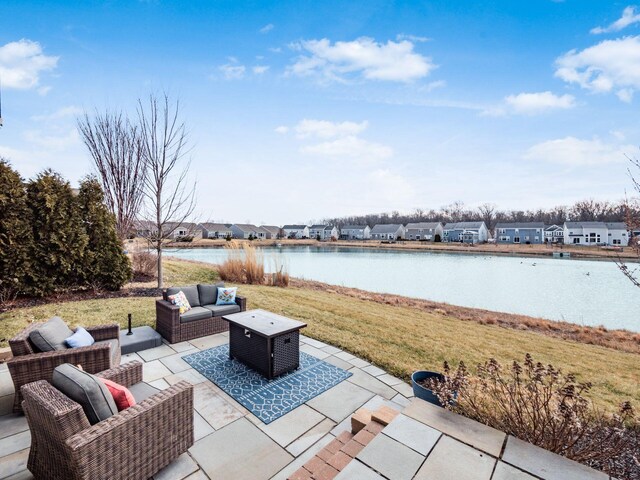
[[532, 251]]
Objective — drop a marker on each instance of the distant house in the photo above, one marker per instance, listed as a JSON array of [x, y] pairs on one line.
[[295, 231], [355, 232], [520, 232], [144, 228], [596, 233], [424, 231], [215, 230], [273, 232], [245, 230], [324, 232], [180, 230], [553, 234], [465, 232], [388, 231]]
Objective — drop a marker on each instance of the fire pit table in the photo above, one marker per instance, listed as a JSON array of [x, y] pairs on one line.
[[264, 341]]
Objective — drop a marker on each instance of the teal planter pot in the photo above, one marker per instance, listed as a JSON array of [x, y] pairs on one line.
[[422, 392]]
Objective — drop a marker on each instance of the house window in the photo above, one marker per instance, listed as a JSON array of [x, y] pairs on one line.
[[537, 238], [516, 239], [617, 241], [504, 239], [503, 230], [576, 240]]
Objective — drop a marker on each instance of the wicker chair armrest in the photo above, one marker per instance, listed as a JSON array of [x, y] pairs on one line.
[[126, 374], [160, 428], [166, 305], [104, 332], [93, 359], [242, 302], [20, 342]]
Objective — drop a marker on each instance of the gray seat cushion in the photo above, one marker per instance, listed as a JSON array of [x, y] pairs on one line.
[[85, 389], [51, 335], [141, 391], [115, 345], [219, 310], [190, 291], [196, 313], [208, 293]]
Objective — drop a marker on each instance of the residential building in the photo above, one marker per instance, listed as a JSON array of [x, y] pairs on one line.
[[180, 229], [355, 232], [273, 232], [465, 232], [431, 231], [389, 231], [245, 230], [596, 233], [295, 231], [520, 232], [215, 230], [324, 232], [553, 234]]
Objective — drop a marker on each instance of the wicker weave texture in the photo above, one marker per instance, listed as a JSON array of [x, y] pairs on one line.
[[30, 367], [173, 331], [134, 444]]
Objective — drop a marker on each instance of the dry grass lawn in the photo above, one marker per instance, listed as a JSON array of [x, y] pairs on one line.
[[398, 338]]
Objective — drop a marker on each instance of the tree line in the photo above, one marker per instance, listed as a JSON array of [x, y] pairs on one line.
[[582, 211], [54, 238]]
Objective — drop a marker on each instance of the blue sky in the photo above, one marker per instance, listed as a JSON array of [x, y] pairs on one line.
[[302, 110]]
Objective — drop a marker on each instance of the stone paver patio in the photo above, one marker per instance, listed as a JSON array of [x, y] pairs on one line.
[[423, 442]]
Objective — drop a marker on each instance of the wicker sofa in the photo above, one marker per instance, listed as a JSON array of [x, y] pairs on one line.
[[133, 444], [204, 318], [29, 364]]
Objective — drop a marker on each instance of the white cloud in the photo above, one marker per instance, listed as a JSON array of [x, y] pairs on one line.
[[534, 103], [530, 104], [232, 72], [326, 129], [53, 141], [260, 69], [70, 111], [412, 38], [267, 28], [576, 152], [282, 129], [629, 17], [611, 65], [350, 146], [363, 57], [22, 62]]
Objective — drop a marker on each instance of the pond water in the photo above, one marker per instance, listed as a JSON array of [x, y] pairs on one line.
[[579, 291]]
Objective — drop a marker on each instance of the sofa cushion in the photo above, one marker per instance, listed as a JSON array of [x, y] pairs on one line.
[[219, 310], [190, 291], [121, 394], [141, 391], [85, 389], [208, 293], [81, 338], [114, 345], [197, 313], [51, 335]]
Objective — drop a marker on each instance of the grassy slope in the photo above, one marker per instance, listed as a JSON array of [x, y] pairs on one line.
[[399, 339]]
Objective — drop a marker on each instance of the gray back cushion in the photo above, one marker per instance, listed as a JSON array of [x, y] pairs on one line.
[[85, 389], [191, 292], [51, 336], [209, 293]]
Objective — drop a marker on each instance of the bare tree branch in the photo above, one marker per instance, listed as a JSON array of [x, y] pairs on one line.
[[115, 148], [169, 194]]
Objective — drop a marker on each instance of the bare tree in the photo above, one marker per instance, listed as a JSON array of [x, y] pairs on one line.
[[115, 148], [488, 214], [170, 195], [632, 271]]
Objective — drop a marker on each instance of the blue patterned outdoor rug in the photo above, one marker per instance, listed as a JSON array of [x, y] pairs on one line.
[[266, 399]]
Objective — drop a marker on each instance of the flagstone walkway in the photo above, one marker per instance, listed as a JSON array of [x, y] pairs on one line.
[[423, 442]]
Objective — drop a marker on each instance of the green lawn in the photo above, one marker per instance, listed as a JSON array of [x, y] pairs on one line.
[[398, 339]]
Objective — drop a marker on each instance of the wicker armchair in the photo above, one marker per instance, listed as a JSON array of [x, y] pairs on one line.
[[134, 444], [28, 365], [168, 322]]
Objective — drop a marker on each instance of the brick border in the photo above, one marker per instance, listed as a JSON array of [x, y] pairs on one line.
[[334, 457]]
